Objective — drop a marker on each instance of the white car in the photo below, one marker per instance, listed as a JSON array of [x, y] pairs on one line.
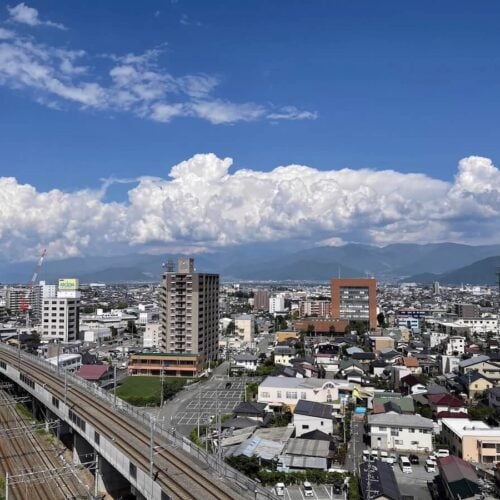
[[280, 489], [308, 490]]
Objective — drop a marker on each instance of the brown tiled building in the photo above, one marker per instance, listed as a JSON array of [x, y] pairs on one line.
[[355, 299]]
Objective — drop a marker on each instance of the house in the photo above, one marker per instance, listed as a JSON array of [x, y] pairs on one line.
[[365, 358], [283, 355], [410, 384], [378, 481], [351, 368], [246, 362], [305, 454], [378, 368], [279, 391], [474, 384], [309, 416], [412, 365], [379, 342], [449, 364], [494, 398], [252, 410], [459, 480], [455, 345], [394, 431], [440, 403], [381, 399], [481, 364], [99, 374], [472, 440]]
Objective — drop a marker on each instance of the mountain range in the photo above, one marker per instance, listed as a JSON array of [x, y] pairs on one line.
[[443, 262]]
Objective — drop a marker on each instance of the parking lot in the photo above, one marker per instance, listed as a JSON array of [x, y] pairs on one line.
[[414, 484], [209, 398], [320, 492]]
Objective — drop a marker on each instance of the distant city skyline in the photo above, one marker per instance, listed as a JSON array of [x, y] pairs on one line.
[[188, 126]]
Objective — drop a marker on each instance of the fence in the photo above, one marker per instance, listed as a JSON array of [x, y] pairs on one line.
[[218, 467]]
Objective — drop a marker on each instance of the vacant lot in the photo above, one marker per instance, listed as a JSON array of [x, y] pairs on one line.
[[145, 391]]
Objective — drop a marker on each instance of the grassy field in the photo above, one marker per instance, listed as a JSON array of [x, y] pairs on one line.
[[145, 391]]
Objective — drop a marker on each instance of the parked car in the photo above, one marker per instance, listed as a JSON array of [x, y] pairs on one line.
[[308, 490], [430, 466], [441, 453], [405, 465], [414, 459], [280, 489]]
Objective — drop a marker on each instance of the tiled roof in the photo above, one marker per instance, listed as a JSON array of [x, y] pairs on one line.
[[410, 362], [312, 409], [445, 399], [92, 372]]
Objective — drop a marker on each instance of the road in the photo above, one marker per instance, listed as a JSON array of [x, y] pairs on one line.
[[355, 447]]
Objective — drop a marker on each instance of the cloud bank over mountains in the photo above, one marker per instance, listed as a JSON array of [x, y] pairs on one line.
[[202, 205]]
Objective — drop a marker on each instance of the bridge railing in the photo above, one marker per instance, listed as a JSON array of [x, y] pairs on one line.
[[218, 467]]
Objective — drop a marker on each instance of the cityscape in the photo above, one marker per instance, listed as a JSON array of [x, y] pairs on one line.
[[304, 304]]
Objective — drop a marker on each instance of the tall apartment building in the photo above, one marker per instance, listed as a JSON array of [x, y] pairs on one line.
[[276, 304], [189, 311], [320, 308], [261, 300], [60, 311], [355, 299]]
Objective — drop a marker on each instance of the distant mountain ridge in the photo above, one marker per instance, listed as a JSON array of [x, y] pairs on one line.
[[281, 261], [478, 273]]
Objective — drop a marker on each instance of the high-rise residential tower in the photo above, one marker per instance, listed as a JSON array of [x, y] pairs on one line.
[[355, 299], [189, 311]]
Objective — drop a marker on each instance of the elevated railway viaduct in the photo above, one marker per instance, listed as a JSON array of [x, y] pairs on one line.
[[131, 449]]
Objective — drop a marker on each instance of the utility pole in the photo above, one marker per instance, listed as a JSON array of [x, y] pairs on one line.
[[162, 377], [151, 447], [96, 486], [65, 385], [114, 386], [199, 407], [6, 486]]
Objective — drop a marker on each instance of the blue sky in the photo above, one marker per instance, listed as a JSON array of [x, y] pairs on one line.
[[405, 86]]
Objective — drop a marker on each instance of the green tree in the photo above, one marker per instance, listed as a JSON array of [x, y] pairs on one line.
[[231, 328], [381, 319], [131, 328], [172, 386]]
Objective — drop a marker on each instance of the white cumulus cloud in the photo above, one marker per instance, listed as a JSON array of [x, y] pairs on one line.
[[202, 203], [23, 14]]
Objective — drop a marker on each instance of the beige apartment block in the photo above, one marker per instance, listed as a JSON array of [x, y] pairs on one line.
[[472, 440]]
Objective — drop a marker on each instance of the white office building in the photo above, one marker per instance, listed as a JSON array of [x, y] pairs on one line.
[[60, 314], [276, 304]]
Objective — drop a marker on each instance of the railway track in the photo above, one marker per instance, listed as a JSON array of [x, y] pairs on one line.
[[29, 452], [173, 472]]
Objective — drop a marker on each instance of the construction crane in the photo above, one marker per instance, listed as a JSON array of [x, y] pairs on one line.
[[25, 301]]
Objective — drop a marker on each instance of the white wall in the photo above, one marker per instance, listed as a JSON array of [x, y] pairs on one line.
[[312, 423]]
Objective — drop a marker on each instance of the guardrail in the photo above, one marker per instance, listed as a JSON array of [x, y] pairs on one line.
[[220, 468]]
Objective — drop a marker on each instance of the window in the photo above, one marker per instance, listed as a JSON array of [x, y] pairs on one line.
[[398, 441], [78, 421], [132, 470], [97, 438], [278, 394], [415, 443], [3, 365], [55, 402], [265, 395], [291, 395], [29, 382], [305, 426], [303, 395]]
